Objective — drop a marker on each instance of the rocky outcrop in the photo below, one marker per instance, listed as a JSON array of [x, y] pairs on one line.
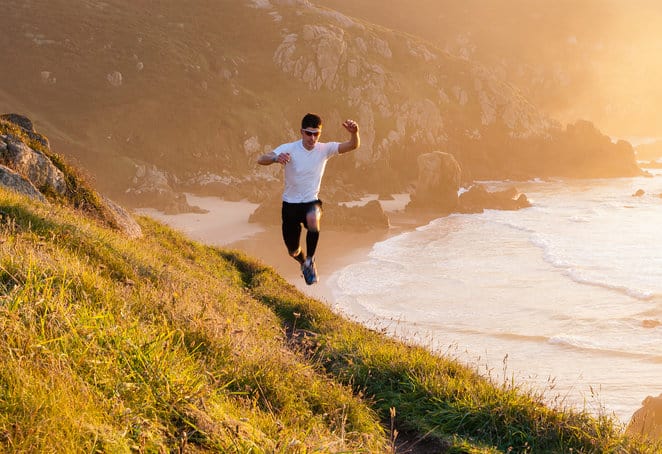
[[27, 126], [32, 164], [370, 216], [647, 421], [587, 152], [253, 188], [335, 216], [153, 188], [15, 182], [31, 171], [477, 199], [438, 184], [439, 177], [122, 219]]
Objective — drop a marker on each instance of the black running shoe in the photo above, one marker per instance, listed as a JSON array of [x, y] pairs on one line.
[[309, 271]]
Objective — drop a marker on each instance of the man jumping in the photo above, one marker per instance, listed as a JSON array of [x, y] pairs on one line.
[[305, 161]]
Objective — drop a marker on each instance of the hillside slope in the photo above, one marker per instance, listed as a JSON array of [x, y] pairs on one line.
[[161, 344], [192, 92]]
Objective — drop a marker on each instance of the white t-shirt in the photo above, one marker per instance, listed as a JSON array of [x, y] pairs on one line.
[[303, 174]]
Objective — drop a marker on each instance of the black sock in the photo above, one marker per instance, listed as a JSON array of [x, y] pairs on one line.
[[311, 242], [300, 258]]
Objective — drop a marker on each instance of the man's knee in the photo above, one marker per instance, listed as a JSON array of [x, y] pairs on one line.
[[295, 252], [313, 220]]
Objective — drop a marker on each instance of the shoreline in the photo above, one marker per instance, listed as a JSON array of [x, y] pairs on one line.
[[336, 250], [225, 224]]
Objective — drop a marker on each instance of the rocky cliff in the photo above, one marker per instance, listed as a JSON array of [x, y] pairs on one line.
[[29, 167], [190, 94], [594, 59]]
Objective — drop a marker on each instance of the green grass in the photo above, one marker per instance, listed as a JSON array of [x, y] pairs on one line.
[[162, 344]]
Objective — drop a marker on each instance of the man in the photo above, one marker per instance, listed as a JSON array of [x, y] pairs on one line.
[[305, 161]]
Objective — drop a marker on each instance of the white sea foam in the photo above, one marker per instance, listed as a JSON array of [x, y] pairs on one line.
[[569, 288]]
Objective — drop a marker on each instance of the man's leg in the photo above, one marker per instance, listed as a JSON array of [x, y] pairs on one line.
[[291, 228], [313, 217]]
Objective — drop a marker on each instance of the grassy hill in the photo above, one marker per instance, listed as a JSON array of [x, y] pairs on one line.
[[162, 344]]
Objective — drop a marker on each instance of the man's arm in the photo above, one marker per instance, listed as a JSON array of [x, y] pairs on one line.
[[354, 141], [267, 159], [273, 157]]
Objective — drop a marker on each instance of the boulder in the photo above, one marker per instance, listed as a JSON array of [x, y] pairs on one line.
[[15, 182], [27, 126], [21, 121], [122, 219], [32, 164], [334, 216], [439, 177], [364, 217], [647, 421], [31, 172], [268, 212], [477, 199]]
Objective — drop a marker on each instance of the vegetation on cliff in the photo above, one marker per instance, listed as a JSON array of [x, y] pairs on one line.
[[76, 191], [161, 344]]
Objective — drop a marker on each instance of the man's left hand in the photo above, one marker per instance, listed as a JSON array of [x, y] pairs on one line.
[[351, 126]]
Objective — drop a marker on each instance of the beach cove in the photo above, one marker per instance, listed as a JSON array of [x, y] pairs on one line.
[[494, 291]]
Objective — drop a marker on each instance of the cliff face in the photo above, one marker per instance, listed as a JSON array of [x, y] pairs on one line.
[[594, 59], [29, 167], [198, 91]]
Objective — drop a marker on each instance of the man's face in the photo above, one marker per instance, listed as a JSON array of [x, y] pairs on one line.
[[310, 136]]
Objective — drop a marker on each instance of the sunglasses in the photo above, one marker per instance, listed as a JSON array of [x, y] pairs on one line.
[[311, 133]]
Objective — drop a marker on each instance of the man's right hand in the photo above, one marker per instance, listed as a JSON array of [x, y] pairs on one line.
[[283, 158]]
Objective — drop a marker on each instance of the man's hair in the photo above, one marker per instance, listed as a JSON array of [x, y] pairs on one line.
[[311, 120]]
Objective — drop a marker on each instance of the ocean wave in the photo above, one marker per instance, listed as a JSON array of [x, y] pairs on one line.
[[579, 219], [573, 342], [639, 294], [581, 344], [538, 339], [519, 227], [555, 257]]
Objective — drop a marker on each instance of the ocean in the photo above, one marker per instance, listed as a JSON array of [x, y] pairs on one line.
[[563, 298]]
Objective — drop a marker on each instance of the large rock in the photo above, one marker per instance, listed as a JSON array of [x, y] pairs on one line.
[[364, 217], [31, 172], [647, 421], [32, 164], [122, 219], [27, 126], [439, 177], [335, 216], [477, 199], [15, 182]]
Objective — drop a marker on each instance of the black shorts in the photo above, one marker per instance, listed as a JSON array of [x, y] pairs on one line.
[[294, 215]]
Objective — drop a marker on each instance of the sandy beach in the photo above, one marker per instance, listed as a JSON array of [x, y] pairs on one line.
[[336, 248], [226, 224]]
